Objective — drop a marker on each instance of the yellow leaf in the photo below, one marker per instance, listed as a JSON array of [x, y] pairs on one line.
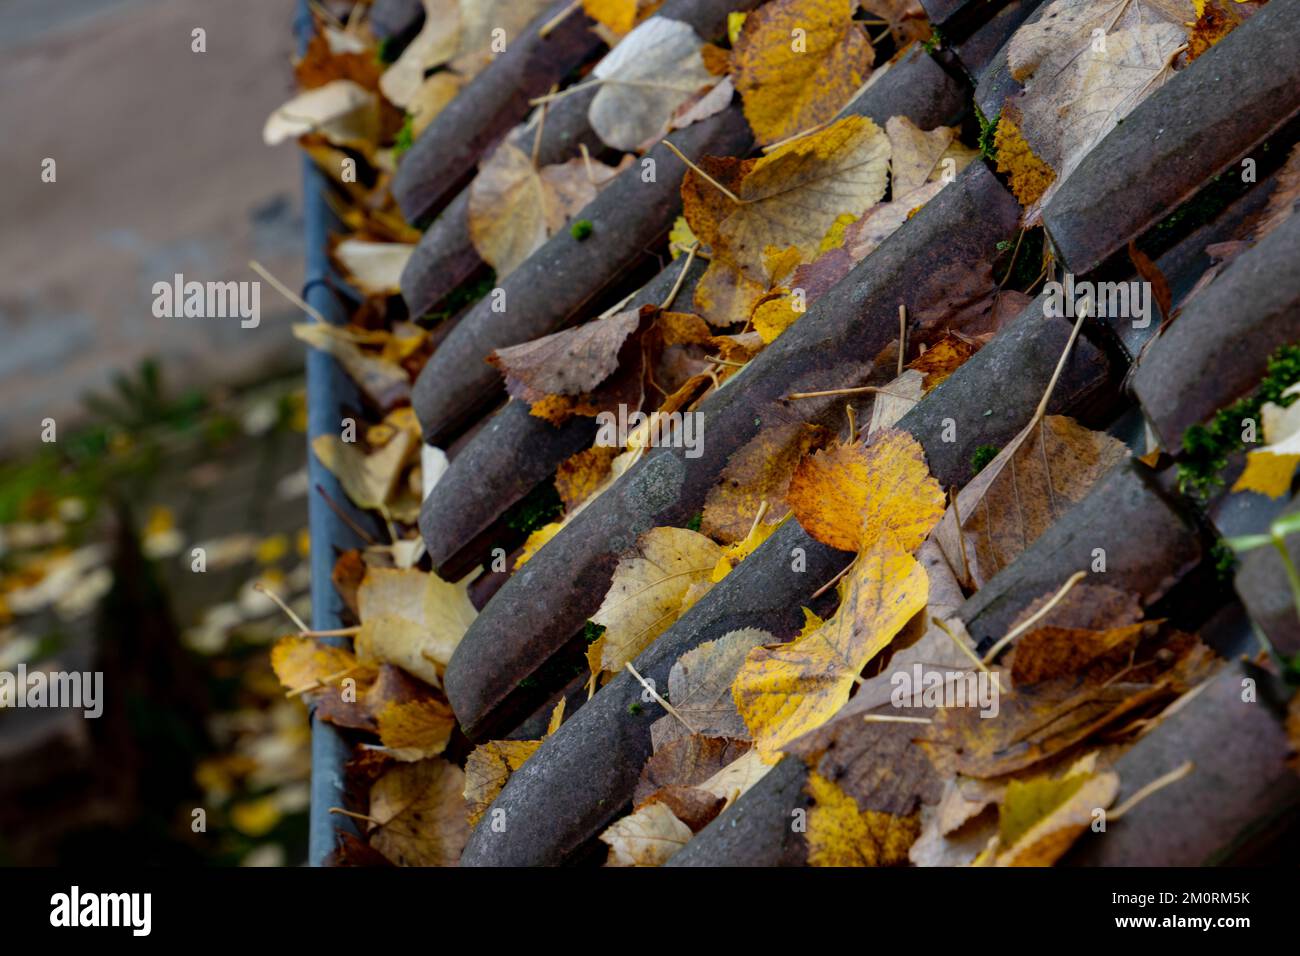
[[302, 662], [735, 21], [733, 554], [786, 690], [489, 765], [794, 194], [368, 479], [1267, 473], [419, 814], [412, 619], [648, 837], [256, 817], [535, 541], [1040, 818], [680, 237], [840, 834], [618, 15], [797, 62], [415, 729], [851, 495], [487, 769], [774, 316], [578, 477], [1029, 175], [646, 593], [834, 237]]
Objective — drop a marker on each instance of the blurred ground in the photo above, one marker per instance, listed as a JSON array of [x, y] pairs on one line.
[[172, 433], [160, 169]]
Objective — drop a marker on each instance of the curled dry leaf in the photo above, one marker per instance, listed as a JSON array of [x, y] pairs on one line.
[[375, 268], [342, 111], [384, 383], [434, 45], [412, 619], [796, 63], [369, 479], [652, 72]]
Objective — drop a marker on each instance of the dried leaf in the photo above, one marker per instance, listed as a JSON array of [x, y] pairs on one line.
[[645, 595], [412, 619], [421, 818], [651, 72], [648, 837], [699, 688], [797, 62], [786, 690], [849, 496], [571, 362], [840, 834], [1043, 471]]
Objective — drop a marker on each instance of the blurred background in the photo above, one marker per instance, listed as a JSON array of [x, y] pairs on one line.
[[171, 433]]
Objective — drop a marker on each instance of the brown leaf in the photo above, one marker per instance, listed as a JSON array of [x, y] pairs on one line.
[[687, 762], [1047, 468], [571, 362], [757, 472], [420, 814]]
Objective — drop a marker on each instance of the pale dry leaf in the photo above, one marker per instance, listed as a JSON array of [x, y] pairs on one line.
[[654, 70]]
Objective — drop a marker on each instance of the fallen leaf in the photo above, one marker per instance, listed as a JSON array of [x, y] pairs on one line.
[[412, 619], [536, 540], [699, 688], [343, 112], [374, 268], [415, 729], [1041, 818], [487, 769], [419, 813], [1049, 652], [571, 362], [433, 96], [382, 382], [645, 595], [515, 207], [651, 72], [794, 194], [1085, 66], [786, 690], [840, 834], [435, 44], [367, 478], [757, 472], [796, 63], [648, 837], [943, 358], [686, 762], [849, 496], [1048, 467], [895, 400]]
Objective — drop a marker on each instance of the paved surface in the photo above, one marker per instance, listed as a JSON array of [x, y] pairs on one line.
[[160, 169]]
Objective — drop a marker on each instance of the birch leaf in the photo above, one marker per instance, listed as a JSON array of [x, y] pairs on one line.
[[654, 70], [645, 596]]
